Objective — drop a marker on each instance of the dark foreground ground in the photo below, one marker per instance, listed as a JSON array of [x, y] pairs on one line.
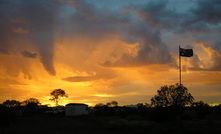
[[42, 124]]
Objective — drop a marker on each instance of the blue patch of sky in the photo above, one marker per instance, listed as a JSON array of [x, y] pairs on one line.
[[118, 7], [67, 11], [181, 6], [114, 5], [27, 2]]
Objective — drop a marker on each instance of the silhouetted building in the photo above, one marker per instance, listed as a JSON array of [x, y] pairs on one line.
[[75, 109], [132, 106]]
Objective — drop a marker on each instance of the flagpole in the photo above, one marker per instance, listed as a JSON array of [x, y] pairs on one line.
[[180, 120], [180, 65]]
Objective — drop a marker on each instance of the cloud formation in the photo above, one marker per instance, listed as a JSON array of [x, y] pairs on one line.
[[201, 21], [158, 14], [27, 54], [30, 20], [4, 51], [108, 44], [152, 49], [208, 11], [144, 24]]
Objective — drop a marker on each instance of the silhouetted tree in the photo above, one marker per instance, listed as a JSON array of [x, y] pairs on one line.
[[143, 105], [107, 109], [199, 104], [11, 103], [101, 108], [31, 102], [4, 121], [112, 104], [99, 105], [174, 95], [202, 109], [57, 94]]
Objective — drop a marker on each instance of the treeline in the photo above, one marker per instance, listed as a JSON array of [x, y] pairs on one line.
[[10, 109], [197, 110], [169, 103], [31, 102]]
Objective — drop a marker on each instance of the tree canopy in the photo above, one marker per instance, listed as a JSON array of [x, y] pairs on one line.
[[99, 105], [108, 104], [199, 104], [112, 104], [11, 103], [57, 94], [31, 102], [173, 95]]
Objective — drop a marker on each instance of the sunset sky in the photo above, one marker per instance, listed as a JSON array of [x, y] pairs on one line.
[[104, 50]]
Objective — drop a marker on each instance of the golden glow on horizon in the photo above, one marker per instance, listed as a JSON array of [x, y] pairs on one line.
[[106, 84], [104, 95]]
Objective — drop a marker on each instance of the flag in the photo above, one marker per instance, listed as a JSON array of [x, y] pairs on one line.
[[186, 52]]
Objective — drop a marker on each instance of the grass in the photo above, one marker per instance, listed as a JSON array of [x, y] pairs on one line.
[[107, 124]]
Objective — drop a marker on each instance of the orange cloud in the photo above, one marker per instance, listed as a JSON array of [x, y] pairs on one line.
[[20, 30]]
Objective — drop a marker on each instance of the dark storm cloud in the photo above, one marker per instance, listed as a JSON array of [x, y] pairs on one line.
[[199, 18], [27, 54], [208, 11], [36, 20], [157, 14], [153, 50], [202, 21], [4, 26], [42, 22], [204, 17], [92, 22], [142, 24]]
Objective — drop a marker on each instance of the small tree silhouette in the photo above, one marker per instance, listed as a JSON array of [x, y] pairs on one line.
[[57, 94]]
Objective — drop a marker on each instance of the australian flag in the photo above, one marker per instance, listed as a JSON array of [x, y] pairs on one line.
[[186, 52]]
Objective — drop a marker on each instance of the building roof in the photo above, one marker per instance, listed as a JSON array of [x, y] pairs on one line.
[[76, 104]]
